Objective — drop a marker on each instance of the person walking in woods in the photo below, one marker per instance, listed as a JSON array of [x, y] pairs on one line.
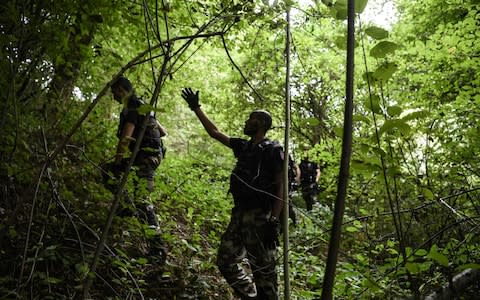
[[147, 160], [309, 176], [257, 189]]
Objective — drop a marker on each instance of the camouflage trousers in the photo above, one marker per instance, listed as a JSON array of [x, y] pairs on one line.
[[310, 194], [241, 249], [145, 167]]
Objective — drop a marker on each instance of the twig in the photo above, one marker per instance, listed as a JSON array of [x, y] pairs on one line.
[[29, 228], [239, 70]]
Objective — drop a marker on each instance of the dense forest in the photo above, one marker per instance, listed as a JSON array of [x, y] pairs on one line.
[[412, 211]]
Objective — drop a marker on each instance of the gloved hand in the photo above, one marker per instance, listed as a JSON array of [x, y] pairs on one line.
[[117, 169], [109, 169], [191, 98], [272, 230]]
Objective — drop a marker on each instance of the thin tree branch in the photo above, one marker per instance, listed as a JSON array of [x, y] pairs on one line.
[[239, 70]]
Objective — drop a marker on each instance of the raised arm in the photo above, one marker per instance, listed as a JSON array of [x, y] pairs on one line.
[[192, 99]]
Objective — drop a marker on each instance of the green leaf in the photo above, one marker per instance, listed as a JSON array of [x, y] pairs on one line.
[[394, 110], [412, 267], [146, 108], [416, 115], [341, 14], [425, 266], [81, 268], [468, 266], [385, 71], [358, 165], [392, 251], [367, 165], [373, 104], [186, 243], [341, 42], [311, 122], [357, 224], [338, 130], [368, 76], [361, 118], [351, 229], [142, 261], [383, 48], [341, 7], [394, 171], [371, 284], [361, 258], [53, 280], [327, 2], [12, 233], [408, 253], [376, 32], [394, 124], [379, 152], [421, 252], [360, 6], [437, 256], [428, 194]]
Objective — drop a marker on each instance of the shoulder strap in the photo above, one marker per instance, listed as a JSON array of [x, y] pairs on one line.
[[267, 144]]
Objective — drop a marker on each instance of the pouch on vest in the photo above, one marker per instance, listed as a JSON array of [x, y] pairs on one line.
[[252, 180], [151, 142]]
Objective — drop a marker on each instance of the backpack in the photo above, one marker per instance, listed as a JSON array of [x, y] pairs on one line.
[[152, 139], [308, 172], [292, 174], [152, 143], [251, 182]]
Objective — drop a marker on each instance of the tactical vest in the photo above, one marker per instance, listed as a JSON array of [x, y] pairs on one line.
[[252, 182], [291, 170], [308, 172], [292, 173], [151, 142]]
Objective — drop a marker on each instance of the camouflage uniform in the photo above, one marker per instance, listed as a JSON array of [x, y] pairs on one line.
[[243, 241], [292, 187], [145, 166], [146, 162], [308, 184]]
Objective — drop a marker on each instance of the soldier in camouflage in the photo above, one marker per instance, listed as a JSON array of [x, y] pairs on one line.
[[256, 184], [146, 162], [309, 176]]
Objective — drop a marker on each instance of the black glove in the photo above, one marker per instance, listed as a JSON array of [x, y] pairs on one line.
[[117, 169], [109, 169], [114, 169], [272, 230], [191, 98]]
